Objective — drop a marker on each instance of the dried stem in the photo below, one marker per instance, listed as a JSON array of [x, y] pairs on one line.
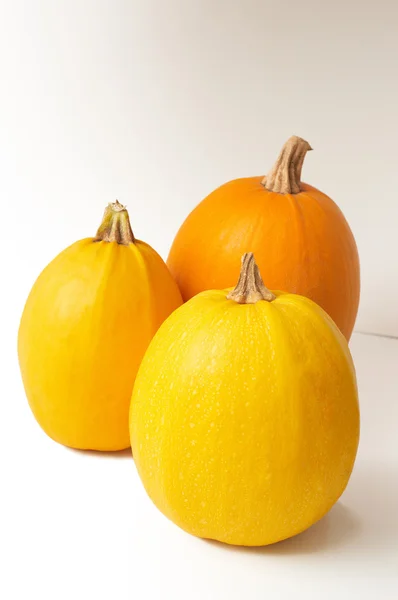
[[250, 287], [115, 226], [285, 175]]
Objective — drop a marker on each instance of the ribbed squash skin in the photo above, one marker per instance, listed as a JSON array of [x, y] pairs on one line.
[[244, 419], [302, 243], [86, 325]]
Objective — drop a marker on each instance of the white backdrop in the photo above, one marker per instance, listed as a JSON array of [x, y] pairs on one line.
[[157, 102]]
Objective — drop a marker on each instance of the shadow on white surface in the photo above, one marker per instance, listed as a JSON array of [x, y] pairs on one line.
[[340, 526], [364, 521], [119, 454], [373, 488]]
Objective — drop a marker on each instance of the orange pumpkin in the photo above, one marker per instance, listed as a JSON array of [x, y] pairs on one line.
[[301, 240]]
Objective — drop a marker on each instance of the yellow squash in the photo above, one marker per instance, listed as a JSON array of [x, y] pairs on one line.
[[244, 419], [86, 325]]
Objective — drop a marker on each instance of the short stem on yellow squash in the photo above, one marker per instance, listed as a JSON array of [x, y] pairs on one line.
[[250, 287], [285, 175], [115, 226]]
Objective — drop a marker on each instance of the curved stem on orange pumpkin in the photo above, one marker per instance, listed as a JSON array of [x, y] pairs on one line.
[[250, 287], [115, 226], [285, 175]]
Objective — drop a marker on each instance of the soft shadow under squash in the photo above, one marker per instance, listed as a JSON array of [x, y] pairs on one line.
[[118, 454], [338, 527]]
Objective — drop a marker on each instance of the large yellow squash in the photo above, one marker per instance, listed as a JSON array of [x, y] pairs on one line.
[[244, 419], [86, 325]]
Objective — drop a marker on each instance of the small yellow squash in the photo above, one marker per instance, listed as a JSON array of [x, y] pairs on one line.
[[244, 419], [86, 325]]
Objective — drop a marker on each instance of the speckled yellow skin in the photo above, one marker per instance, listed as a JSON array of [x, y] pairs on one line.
[[86, 325], [244, 419]]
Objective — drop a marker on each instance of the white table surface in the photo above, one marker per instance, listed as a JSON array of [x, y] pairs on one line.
[[78, 525]]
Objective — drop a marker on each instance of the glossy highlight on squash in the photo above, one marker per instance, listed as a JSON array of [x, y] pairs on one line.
[[244, 419], [85, 327]]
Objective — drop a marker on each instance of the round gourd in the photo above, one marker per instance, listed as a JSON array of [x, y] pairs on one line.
[[299, 236], [244, 419], [86, 325]]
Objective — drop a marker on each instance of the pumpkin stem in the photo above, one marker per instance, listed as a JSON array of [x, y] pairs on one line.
[[250, 287], [285, 175], [115, 226]]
